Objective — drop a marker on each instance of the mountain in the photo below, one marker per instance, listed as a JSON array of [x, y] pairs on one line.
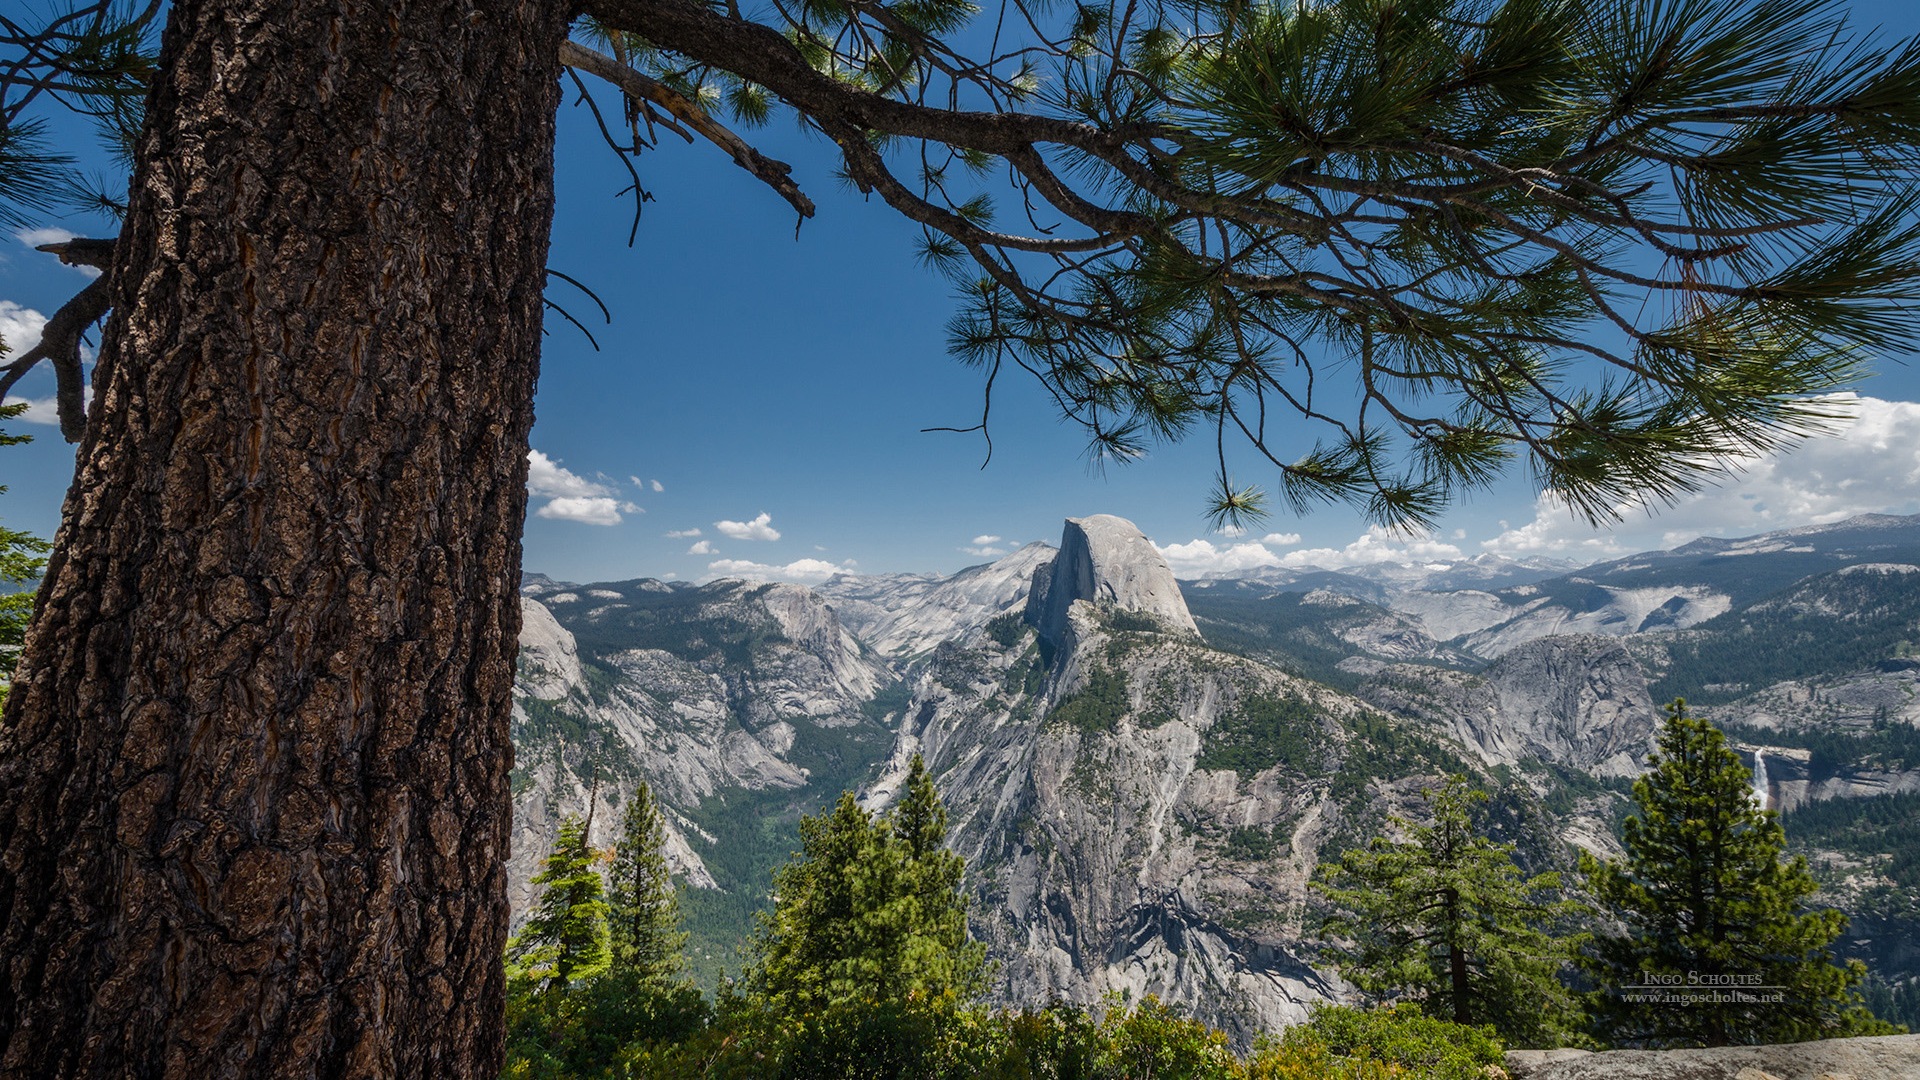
[[904, 616], [1142, 774], [1139, 811], [742, 705]]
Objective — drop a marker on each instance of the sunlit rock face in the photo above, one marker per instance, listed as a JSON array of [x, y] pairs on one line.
[[1107, 562]]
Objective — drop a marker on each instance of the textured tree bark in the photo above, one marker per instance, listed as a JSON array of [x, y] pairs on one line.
[[253, 773]]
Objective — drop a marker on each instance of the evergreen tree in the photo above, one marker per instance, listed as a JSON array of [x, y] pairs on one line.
[[21, 562], [1717, 946], [871, 911], [1446, 919], [643, 906], [564, 941]]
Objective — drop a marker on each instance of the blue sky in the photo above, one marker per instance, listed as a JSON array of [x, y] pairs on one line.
[[768, 391]]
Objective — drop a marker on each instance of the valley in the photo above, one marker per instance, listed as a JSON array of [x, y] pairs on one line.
[[1142, 774]]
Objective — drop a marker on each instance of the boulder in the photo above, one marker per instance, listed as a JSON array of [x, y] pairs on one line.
[[1885, 1057]]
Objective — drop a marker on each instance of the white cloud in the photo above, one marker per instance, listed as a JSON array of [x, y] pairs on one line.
[[1199, 558], [586, 509], [760, 528], [1281, 539], [799, 570], [20, 327], [657, 486], [1377, 545], [546, 478], [703, 547], [39, 410], [570, 496], [984, 540], [985, 551], [36, 237], [683, 534], [1231, 532], [1869, 463]]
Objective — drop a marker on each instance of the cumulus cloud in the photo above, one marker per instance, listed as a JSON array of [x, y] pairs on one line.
[[585, 509], [657, 486], [36, 237], [1281, 539], [805, 570], [570, 496], [547, 478], [20, 327], [683, 534], [40, 410], [1231, 532], [703, 547], [983, 540], [985, 551], [1201, 558], [760, 528], [1377, 545], [1869, 463]]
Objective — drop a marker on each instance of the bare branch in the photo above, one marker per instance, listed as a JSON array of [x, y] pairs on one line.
[[640, 87]]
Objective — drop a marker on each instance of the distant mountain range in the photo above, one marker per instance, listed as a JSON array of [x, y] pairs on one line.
[[1143, 773]]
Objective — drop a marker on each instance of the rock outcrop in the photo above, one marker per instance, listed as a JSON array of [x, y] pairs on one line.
[[1885, 1057], [1108, 562], [904, 617]]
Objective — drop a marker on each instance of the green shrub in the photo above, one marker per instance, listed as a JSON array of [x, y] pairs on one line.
[[1342, 1043]]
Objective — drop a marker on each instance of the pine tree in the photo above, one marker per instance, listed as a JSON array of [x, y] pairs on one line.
[[21, 560], [643, 906], [1718, 945], [564, 941], [871, 911], [1447, 919]]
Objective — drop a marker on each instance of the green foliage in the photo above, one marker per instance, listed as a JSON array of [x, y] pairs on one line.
[[1007, 630], [1883, 830], [1710, 906], [1098, 706], [1278, 629], [1380, 747], [1831, 623], [1894, 747], [564, 940], [1354, 1044], [589, 1030], [871, 911], [1250, 844], [890, 699], [643, 910], [1262, 731], [1154, 1039], [1446, 920], [21, 563]]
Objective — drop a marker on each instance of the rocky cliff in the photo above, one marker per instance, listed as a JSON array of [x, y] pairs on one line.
[[1106, 562], [1140, 812]]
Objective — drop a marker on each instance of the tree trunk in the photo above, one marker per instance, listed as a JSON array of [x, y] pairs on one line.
[[1456, 958], [255, 761]]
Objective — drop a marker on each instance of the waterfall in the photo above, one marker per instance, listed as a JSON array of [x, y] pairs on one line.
[[1761, 789]]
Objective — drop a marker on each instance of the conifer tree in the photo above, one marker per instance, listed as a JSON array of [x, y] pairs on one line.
[[643, 906], [870, 911], [21, 560], [1446, 919], [1717, 944], [565, 939]]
